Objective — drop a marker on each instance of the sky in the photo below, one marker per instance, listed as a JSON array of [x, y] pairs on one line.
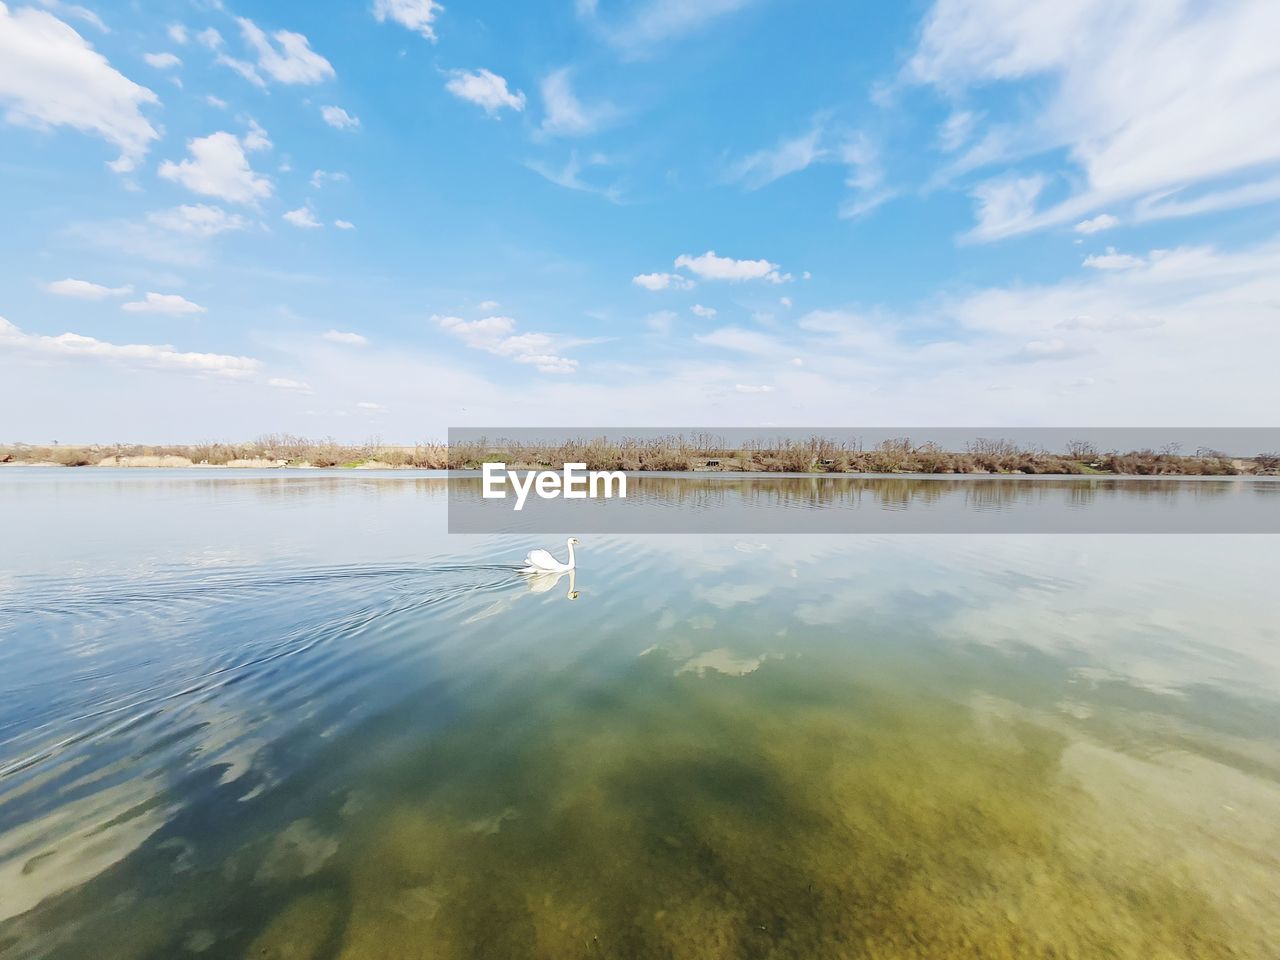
[[384, 218]]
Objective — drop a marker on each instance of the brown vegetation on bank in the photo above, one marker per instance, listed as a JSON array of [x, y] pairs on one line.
[[821, 455], [268, 450], [669, 453]]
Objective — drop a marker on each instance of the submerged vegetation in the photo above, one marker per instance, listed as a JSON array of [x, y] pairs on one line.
[[778, 811], [670, 453]]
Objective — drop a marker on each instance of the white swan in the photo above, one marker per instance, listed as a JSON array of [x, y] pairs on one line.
[[540, 561]]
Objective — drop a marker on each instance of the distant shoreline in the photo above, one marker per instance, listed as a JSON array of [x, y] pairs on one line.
[[815, 456], [147, 463]]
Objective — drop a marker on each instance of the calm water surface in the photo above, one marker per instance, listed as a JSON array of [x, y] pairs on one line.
[[258, 715]]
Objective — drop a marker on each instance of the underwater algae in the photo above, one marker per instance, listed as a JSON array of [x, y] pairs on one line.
[[794, 811], [724, 817]]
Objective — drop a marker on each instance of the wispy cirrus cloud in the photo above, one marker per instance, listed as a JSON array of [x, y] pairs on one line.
[[790, 155], [564, 114], [651, 23], [1127, 141], [821, 144], [571, 175]]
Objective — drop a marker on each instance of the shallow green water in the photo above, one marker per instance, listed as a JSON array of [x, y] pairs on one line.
[[291, 718]]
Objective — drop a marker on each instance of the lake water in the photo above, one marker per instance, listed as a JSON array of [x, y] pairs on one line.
[[286, 716]]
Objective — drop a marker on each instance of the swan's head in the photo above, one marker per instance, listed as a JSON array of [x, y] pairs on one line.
[[574, 541], [572, 595]]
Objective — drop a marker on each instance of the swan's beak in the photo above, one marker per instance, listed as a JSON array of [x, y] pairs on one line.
[[573, 595]]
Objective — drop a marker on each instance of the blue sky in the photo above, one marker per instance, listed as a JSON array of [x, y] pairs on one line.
[[387, 218]]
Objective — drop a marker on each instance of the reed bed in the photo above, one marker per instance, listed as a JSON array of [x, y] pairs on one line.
[[673, 453]]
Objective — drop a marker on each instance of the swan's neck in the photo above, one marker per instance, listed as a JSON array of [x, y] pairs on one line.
[[570, 546]]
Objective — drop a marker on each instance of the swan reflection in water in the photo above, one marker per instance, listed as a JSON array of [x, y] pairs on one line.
[[545, 582], [543, 571]]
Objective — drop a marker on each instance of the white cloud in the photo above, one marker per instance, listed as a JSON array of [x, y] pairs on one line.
[[371, 406], [349, 339], [662, 281], [217, 102], [956, 130], [283, 383], [212, 39], [50, 76], [256, 139], [752, 388], [485, 88], [285, 56], [708, 266], [416, 15], [1103, 221], [789, 156], [156, 356], [177, 33], [488, 305], [857, 151], [866, 177], [566, 115], [570, 176], [1149, 100], [321, 177], [549, 363], [1112, 260], [218, 167], [73, 11], [742, 341], [344, 224], [1161, 206], [497, 335], [85, 290], [303, 217], [1006, 205], [655, 21], [162, 61], [699, 310], [242, 67], [166, 303], [198, 219], [785, 301], [339, 119]]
